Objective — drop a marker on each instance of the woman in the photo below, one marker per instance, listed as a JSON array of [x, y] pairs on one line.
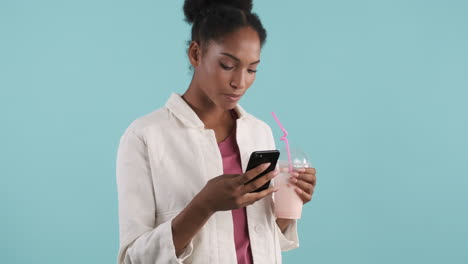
[[181, 186]]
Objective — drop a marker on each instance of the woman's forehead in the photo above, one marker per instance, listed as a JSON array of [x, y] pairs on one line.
[[243, 44]]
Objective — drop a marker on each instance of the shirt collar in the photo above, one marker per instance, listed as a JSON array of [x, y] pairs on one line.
[[177, 105]]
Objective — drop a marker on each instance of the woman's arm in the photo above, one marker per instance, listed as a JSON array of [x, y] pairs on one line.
[[188, 223], [225, 192], [283, 223]]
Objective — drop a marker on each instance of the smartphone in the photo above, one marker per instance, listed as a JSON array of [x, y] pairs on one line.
[[260, 157]]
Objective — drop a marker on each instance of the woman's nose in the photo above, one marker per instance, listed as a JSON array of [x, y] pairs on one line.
[[239, 81]]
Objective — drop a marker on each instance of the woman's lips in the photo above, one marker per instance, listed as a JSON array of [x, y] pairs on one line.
[[232, 97]]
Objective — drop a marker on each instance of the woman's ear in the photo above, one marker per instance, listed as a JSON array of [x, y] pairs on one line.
[[194, 53]]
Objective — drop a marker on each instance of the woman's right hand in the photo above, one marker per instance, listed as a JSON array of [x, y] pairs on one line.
[[229, 191]]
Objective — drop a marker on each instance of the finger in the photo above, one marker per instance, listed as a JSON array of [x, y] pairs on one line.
[[310, 178], [305, 197], [250, 174], [310, 170], [306, 170], [257, 183], [305, 186], [252, 197]]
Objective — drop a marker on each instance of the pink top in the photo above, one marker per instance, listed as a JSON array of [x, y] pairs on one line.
[[232, 165]]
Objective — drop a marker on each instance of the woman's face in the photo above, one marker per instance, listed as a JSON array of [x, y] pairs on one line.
[[227, 68]]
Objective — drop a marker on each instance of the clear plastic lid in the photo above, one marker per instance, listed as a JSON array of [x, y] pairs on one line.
[[299, 158]]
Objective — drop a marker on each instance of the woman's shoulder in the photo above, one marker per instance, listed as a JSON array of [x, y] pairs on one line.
[[156, 119], [250, 118], [255, 122]]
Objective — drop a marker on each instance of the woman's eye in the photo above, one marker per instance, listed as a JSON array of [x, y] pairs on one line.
[[252, 71], [226, 67]]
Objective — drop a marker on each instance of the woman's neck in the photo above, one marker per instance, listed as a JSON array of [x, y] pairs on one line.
[[210, 114]]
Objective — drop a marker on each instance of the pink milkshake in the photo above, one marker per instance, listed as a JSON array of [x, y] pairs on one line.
[[288, 204]]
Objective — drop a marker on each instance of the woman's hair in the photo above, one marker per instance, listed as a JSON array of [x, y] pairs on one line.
[[213, 19]]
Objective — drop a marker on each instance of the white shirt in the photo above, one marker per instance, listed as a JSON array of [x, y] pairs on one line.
[[164, 159]]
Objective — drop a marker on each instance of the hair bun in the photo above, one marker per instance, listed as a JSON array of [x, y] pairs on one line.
[[192, 8]]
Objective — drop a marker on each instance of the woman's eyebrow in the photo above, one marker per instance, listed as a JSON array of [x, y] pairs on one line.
[[237, 59]]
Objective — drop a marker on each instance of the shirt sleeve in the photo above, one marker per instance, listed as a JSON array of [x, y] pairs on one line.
[[141, 241], [289, 239]]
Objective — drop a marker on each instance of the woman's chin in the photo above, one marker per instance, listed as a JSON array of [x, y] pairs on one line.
[[229, 106], [226, 105]]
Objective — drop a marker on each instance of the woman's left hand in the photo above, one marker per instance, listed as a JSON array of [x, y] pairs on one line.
[[304, 180]]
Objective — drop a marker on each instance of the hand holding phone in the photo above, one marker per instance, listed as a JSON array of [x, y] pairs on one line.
[[260, 157]]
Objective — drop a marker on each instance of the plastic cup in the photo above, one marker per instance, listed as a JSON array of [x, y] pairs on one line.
[[287, 203]]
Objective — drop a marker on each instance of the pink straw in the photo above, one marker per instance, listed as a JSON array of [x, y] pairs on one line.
[[290, 166]]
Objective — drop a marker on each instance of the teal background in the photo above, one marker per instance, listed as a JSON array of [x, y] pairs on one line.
[[374, 91]]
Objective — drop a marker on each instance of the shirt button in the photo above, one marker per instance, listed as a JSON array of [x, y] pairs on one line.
[[258, 228]]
